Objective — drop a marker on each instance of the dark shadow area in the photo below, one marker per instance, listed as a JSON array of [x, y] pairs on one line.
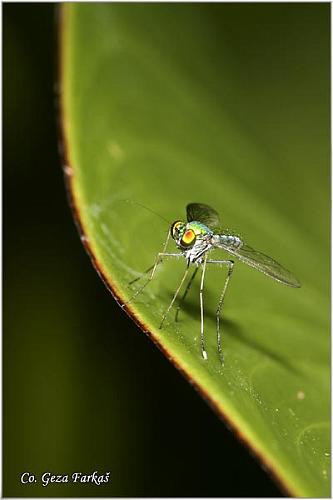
[[232, 328]]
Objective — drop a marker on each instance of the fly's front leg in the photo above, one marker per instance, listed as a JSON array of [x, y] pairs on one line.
[[230, 264], [158, 260], [143, 274]]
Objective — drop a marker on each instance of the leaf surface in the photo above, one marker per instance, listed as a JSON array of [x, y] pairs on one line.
[[228, 105]]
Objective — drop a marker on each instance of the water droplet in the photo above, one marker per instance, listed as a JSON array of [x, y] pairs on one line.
[[115, 150]]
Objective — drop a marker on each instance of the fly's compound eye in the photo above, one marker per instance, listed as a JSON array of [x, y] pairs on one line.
[[188, 238], [176, 229]]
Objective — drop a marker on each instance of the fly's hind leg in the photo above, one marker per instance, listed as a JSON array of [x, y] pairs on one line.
[[230, 264]]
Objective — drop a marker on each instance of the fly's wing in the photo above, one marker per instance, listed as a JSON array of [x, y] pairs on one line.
[[203, 213], [263, 263]]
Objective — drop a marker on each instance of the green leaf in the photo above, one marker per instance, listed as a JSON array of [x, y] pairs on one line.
[[228, 105]]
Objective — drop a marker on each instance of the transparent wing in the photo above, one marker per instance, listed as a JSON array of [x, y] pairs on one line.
[[263, 263], [203, 213]]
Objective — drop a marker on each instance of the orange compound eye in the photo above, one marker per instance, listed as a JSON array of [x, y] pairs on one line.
[[188, 238]]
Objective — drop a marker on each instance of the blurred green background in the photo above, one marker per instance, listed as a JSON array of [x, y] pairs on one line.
[[68, 404]]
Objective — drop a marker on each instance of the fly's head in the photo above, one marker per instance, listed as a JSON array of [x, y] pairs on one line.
[[184, 236], [191, 237]]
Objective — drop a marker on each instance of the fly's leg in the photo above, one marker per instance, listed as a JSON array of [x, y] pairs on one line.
[[158, 260], [187, 289], [230, 264], [143, 274], [202, 338], [175, 295]]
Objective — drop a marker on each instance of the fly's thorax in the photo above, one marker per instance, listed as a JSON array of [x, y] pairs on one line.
[[187, 235], [228, 240], [196, 253]]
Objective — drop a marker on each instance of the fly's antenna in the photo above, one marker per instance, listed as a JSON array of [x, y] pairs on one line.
[[148, 209]]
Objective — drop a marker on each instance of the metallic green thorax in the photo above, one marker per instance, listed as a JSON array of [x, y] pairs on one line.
[[198, 227]]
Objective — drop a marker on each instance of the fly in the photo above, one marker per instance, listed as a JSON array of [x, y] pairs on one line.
[[195, 239]]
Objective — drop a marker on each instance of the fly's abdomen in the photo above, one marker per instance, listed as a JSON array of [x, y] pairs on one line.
[[228, 240]]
